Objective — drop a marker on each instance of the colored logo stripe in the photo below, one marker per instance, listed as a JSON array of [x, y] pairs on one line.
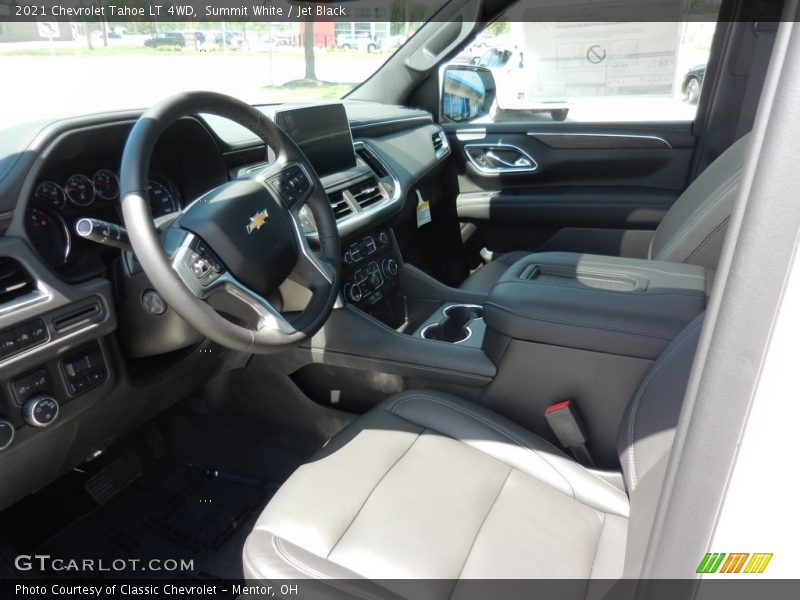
[[713, 562], [758, 563], [734, 563]]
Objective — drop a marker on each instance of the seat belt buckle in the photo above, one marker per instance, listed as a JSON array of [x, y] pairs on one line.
[[563, 419]]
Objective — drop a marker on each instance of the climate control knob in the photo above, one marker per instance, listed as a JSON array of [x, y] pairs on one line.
[[389, 267], [6, 434], [353, 293], [40, 411]]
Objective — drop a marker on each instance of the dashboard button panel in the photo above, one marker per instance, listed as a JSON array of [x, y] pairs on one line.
[[363, 249], [22, 337], [366, 274], [31, 384], [84, 370]]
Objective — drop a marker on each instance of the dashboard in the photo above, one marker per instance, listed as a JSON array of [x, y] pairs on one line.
[[87, 352], [79, 178]]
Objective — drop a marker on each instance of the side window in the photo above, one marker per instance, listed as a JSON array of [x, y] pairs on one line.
[[588, 72]]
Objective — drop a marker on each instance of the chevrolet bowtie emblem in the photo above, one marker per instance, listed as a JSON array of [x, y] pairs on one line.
[[257, 221]]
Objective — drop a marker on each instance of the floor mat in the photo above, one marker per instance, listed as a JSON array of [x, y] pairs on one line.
[[197, 515]]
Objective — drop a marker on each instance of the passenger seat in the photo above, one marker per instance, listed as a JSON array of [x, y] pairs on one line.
[[692, 231], [432, 489]]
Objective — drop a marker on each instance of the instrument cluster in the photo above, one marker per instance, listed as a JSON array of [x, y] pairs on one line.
[[56, 206]]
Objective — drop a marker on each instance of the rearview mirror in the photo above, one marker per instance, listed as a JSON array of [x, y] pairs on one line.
[[467, 92]]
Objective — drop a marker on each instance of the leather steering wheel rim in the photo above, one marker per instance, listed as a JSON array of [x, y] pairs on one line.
[[156, 253]]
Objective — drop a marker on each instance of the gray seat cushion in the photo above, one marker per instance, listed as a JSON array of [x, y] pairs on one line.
[[427, 485], [427, 489]]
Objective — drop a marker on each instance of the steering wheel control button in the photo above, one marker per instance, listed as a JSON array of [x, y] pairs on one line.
[[6, 434], [34, 383], [153, 302], [293, 185], [201, 267], [84, 371], [40, 411], [203, 263]]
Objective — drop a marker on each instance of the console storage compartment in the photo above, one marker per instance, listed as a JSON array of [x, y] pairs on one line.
[[622, 306]]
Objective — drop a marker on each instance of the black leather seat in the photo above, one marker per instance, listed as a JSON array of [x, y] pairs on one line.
[[429, 486], [692, 231]]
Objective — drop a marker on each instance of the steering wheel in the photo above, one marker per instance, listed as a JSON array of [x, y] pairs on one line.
[[229, 250]]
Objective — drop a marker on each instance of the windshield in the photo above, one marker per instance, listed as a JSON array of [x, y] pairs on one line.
[[91, 67]]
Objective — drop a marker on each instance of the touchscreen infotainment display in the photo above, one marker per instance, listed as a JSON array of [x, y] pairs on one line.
[[323, 134]]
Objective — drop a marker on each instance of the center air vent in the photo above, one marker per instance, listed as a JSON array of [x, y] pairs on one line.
[[357, 197], [15, 281], [341, 207], [367, 193], [372, 162]]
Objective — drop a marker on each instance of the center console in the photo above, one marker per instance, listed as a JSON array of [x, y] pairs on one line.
[[585, 328], [556, 326]]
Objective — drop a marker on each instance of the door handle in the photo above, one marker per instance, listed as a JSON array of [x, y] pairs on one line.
[[487, 159], [520, 162]]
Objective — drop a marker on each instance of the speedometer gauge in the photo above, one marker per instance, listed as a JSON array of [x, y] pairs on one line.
[[106, 184], [80, 190], [48, 233], [162, 201], [49, 193]]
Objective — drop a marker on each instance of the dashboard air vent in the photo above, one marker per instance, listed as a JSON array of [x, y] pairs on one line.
[[367, 193], [341, 207], [372, 162], [15, 281], [440, 144]]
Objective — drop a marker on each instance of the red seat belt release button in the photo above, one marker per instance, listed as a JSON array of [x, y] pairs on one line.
[[562, 417]]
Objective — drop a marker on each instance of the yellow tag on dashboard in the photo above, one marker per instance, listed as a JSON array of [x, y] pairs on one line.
[[423, 211]]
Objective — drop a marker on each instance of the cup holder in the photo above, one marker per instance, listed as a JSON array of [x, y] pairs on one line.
[[454, 326]]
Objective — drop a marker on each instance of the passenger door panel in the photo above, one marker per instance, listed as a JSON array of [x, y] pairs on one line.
[[586, 177]]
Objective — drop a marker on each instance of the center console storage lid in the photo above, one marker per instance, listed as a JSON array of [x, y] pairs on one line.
[[630, 307]]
